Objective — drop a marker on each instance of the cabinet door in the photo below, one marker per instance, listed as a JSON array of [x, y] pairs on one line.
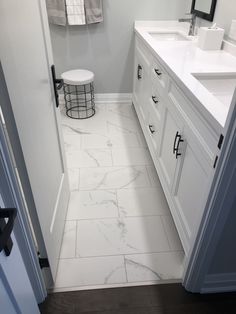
[[192, 185], [172, 127], [142, 81]]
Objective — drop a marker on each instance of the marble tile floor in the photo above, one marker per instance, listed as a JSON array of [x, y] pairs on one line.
[[119, 230]]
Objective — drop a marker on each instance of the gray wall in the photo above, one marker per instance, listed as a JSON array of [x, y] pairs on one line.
[[225, 13], [107, 48]]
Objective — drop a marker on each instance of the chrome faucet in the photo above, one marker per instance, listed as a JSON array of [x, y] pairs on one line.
[[192, 21]]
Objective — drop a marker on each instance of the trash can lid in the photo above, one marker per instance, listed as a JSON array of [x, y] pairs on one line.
[[78, 77]]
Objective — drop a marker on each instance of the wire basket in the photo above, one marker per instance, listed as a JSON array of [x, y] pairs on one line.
[[79, 101]]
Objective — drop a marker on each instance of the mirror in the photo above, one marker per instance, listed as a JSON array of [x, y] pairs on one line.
[[204, 9]]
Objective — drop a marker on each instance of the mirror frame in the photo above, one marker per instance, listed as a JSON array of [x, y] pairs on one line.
[[204, 15]]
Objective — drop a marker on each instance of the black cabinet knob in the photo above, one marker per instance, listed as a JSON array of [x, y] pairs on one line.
[[151, 128], [139, 72], [158, 72], [155, 100]]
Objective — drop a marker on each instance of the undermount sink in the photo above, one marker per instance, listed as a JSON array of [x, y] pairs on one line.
[[168, 36], [220, 85]]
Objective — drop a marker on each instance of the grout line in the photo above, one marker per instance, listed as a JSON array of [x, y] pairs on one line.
[[81, 141], [149, 176], [119, 255], [126, 273], [76, 230], [112, 156], [143, 166], [114, 188], [79, 175], [122, 188], [126, 217], [165, 231]]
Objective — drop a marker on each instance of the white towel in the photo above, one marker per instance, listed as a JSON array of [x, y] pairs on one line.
[[75, 12]]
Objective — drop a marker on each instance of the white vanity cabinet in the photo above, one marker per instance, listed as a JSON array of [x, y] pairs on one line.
[[182, 145], [142, 86]]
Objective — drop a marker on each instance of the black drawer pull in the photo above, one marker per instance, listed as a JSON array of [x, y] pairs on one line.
[[158, 72], [139, 72], [155, 100], [151, 128], [176, 147]]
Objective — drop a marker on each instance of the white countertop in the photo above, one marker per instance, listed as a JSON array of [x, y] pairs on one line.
[[182, 58]]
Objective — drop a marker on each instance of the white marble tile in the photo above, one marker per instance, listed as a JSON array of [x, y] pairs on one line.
[[142, 202], [121, 236], [155, 181], [92, 205], [122, 110], [87, 126], [113, 178], [68, 247], [141, 139], [71, 127], [72, 142], [124, 116], [171, 232], [101, 108], [99, 235], [122, 137], [89, 158], [154, 267], [96, 140], [90, 271], [131, 156], [73, 179]]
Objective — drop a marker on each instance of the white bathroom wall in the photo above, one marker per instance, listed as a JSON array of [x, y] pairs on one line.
[[224, 14], [107, 48]]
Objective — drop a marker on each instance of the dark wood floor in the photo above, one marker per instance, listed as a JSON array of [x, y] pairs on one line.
[[160, 299]]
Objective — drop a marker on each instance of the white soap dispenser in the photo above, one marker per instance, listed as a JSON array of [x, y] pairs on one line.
[[210, 38]]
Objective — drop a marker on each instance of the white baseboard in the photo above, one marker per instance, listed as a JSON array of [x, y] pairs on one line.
[[107, 98], [220, 283], [113, 98]]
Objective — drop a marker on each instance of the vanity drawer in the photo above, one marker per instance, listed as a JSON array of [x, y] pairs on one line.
[[160, 78], [143, 49]]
